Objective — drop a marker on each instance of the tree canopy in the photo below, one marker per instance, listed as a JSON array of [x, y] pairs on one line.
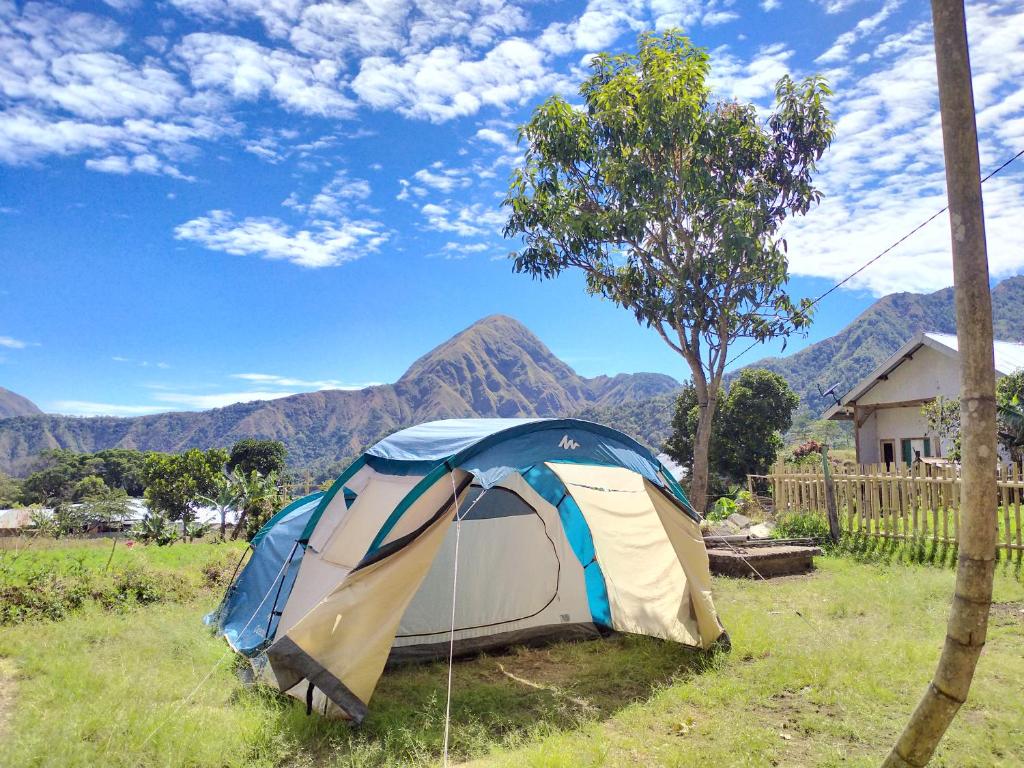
[[253, 455], [747, 433], [68, 475], [176, 483], [671, 203]]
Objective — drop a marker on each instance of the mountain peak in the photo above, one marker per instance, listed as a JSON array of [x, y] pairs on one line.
[[13, 404]]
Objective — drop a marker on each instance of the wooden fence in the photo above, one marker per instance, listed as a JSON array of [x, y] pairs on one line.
[[920, 502]]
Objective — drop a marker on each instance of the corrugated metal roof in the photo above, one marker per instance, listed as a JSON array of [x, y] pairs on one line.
[[1009, 356]]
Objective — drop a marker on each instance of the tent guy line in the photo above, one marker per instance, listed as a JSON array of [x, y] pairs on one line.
[[451, 635]]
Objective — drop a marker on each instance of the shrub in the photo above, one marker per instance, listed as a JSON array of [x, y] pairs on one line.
[[155, 528], [721, 509], [801, 525], [43, 595]]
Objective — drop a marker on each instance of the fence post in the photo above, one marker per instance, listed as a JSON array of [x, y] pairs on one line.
[[830, 496]]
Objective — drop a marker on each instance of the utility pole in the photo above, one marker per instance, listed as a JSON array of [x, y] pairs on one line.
[[830, 497], [968, 617]]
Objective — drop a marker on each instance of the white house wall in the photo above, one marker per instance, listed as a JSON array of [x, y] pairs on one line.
[[929, 374]]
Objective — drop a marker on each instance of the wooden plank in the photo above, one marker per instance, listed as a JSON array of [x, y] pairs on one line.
[[1005, 498], [1016, 510]]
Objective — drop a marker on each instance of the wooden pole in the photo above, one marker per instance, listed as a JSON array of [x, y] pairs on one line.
[[968, 617], [830, 496]]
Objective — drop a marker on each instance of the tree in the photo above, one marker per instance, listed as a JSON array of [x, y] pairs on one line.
[[943, 418], [123, 468], [229, 497], [260, 497], [90, 485], [62, 470], [748, 425], [263, 456], [671, 204], [10, 491], [1010, 405], [177, 483]]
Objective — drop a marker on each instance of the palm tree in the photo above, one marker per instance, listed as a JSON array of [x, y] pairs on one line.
[[257, 492], [229, 498]]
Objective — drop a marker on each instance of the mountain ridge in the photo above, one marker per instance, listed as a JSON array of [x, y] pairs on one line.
[[846, 357], [496, 367], [13, 404]]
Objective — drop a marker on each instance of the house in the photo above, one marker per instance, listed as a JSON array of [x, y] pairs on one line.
[[885, 407]]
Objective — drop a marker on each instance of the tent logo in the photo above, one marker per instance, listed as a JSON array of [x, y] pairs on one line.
[[567, 444]]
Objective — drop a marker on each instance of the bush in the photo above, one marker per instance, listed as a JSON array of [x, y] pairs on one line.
[[721, 509], [155, 529], [801, 525], [46, 594]]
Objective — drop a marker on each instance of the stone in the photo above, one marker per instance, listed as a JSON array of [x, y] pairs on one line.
[[761, 530], [740, 521]]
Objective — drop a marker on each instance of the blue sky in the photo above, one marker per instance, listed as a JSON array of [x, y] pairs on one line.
[[204, 201]]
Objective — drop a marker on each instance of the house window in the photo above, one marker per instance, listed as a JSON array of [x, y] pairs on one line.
[[913, 448]]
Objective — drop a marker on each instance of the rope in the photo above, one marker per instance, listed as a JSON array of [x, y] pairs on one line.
[[177, 707], [451, 634], [759, 575], [875, 258]]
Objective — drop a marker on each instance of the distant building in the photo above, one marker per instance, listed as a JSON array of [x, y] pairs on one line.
[[885, 407]]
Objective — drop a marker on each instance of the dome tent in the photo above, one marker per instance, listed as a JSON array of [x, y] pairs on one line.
[[568, 529]]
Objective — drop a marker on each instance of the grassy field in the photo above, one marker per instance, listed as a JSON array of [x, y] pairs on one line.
[[831, 686]]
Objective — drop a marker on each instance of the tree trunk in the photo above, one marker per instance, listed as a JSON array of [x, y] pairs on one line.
[[968, 618], [701, 450], [239, 523]]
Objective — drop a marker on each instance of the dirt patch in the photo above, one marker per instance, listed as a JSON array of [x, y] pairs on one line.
[[7, 679], [1007, 613]]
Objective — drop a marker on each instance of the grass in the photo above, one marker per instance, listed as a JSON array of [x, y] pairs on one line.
[[831, 687], [19, 556]]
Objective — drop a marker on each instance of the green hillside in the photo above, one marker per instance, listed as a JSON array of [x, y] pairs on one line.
[[880, 330]]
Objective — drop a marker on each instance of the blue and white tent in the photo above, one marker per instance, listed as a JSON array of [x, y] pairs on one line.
[[563, 529]]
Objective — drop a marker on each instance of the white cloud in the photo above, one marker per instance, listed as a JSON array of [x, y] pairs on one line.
[[502, 140], [246, 70], [841, 48], [219, 399], [464, 220], [457, 251], [270, 379], [334, 198], [444, 83], [68, 90], [90, 408], [442, 179], [323, 244], [884, 174], [12, 343], [144, 163], [752, 79], [770, 5]]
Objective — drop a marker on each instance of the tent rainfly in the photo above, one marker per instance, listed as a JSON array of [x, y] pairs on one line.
[[567, 529]]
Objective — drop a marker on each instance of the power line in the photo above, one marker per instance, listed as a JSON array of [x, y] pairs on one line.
[[873, 259]]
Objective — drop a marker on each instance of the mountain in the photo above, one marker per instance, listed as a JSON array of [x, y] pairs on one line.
[[844, 359], [496, 367], [13, 404]]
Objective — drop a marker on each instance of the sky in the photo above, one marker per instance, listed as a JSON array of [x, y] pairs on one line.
[[209, 201]]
